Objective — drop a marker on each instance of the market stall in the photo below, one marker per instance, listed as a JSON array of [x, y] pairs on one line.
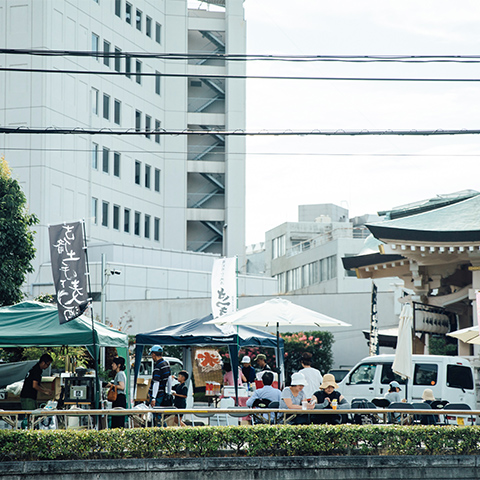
[[198, 333]]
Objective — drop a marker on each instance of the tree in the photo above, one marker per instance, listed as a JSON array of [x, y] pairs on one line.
[[16, 238]]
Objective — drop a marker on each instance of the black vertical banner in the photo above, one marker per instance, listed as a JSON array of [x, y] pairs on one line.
[[69, 269], [374, 347]]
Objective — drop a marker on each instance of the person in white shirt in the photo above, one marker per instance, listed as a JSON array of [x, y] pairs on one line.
[[312, 375]]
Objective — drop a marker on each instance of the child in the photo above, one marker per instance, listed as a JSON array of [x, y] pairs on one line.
[[179, 393]]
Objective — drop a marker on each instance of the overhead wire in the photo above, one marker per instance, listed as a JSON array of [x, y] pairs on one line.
[[231, 133], [225, 75], [276, 154], [249, 57]]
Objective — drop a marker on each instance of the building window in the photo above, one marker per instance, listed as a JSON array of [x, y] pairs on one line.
[[118, 8], [106, 106], [147, 176], [116, 164], [95, 43], [158, 33], [94, 101], [94, 211], [118, 59], [117, 107], [156, 229], [138, 72], [138, 120], [282, 285], [138, 170], [128, 13], [105, 214], [147, 226], [106, 53], [116, 217], [95, 156], [136, 227], [148, 26], [148, 125], [126, 220], [138, 20], [158, 125], [158, 82], [157, 180], [278, 247], [106, 159], [128, 66]]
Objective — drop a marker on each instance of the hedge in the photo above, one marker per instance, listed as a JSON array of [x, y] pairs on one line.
[[261, 440]]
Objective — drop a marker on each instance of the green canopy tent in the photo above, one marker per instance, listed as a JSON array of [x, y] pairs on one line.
[[35, 324]]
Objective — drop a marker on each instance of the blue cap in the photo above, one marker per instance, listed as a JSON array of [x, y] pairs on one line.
[[395, 384], [156, 349]]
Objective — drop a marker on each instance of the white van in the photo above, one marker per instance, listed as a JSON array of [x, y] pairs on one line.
[[450, 378]]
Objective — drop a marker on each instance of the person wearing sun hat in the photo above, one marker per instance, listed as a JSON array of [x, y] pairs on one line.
[[325, 398], [293, 396]]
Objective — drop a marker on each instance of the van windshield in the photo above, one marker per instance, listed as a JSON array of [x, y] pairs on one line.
[[363, 374], [459, 377]]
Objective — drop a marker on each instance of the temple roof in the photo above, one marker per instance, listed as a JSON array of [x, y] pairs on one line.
[[457, 222]]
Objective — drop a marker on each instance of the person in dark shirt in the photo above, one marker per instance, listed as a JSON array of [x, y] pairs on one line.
[[247, 370], [160, 376], [180, 392], [32, 383], [328, 398]]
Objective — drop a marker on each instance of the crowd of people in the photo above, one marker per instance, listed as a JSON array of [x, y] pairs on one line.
[[308, 389]]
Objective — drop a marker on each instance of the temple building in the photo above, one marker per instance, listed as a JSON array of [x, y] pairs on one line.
[[434, 247]]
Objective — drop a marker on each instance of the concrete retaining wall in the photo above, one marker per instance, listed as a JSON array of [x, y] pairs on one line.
[[258, 468]]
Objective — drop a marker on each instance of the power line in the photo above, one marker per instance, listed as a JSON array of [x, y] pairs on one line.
[[244, 77], [249, 57], [264, 154], [231, 133]]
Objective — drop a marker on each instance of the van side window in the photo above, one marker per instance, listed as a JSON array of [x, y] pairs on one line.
[[459, 377], [388, 376], [425, 374], [363, 374]]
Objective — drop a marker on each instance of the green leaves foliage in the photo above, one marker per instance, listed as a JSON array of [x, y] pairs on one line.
[[16, 238], [261, 440]]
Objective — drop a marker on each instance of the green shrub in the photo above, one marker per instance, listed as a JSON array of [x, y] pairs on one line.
[[260, 440]]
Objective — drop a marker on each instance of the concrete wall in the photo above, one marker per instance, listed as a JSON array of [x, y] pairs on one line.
[[258, 468]]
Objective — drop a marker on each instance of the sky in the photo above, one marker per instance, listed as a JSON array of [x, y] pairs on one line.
[[363, 174]]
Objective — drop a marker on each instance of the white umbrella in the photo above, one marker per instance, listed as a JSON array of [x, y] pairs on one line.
[[278, 312], [403, 364], [467, 335]]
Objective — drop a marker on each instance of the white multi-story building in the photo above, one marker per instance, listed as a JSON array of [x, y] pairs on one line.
[[150, 191]]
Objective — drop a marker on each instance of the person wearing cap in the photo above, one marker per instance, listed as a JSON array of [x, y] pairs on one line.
[[293, 396], [261, 361], [161, 374], [247, 370], [325, 398], [393, 394], [120, 380]]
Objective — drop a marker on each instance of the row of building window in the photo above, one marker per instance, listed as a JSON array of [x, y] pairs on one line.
[[106, 160], [147, 177], [117, 62], [150, 174], [306, 275], [139, 20], [130, 224], [151, 125]]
